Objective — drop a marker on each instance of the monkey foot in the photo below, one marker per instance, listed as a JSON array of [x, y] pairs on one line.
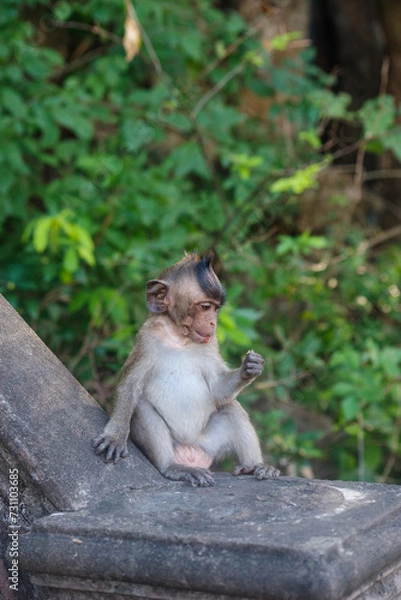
[[261, 471], [193, 475]]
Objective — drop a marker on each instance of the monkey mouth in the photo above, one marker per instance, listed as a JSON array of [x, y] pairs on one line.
[[204, 339]]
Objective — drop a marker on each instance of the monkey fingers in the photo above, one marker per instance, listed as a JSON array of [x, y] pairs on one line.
[[244, 470], [193, 475], [200, 479], [266, 472], [261, 471], [111, 448], [253, 364]]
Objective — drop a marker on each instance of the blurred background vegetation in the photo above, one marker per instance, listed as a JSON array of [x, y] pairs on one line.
[[268, 131]]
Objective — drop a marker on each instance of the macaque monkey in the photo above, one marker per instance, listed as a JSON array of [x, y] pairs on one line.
[[177, 397]]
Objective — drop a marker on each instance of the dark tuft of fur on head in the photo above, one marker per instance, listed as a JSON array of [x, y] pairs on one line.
[[198, 266], [208, 279]]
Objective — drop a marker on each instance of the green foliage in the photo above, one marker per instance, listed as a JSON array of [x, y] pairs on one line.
[[280, 42], [59, 235], [302, 180], [109, 170], [301, 244]]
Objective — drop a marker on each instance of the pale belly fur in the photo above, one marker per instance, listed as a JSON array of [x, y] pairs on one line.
[[182, 398]]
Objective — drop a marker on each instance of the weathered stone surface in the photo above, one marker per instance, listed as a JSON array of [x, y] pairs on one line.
[[283, 539], [48, 420]]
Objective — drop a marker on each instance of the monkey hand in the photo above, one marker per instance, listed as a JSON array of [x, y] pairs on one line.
[[261, 471], [112, 447], [252, 366]]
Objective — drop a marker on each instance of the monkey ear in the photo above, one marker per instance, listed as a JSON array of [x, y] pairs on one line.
[[156, 295]]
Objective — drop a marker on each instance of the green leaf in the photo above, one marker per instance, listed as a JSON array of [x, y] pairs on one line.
[[350, 408], [377, 116], [375, 146], [390, 359], [342, 388], [330, 105], [191, 43], [311, 138], [7, 179], [280, 42], [286, 245], [80, 300], [70, 262], [243, 164], [41, 234], [43, 120], [136, 134], [87, 255], [392, 141], [301, 244], [79, 125], [353, 429], [62, 10], [186, 159], [302, 180], [373, 456], [13, 102]]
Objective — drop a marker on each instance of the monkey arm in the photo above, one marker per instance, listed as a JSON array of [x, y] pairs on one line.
[[229, 382], [112, 442], [226, 386]]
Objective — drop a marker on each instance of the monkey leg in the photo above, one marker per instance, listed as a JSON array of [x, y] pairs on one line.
[[152, 435], [230, 431]]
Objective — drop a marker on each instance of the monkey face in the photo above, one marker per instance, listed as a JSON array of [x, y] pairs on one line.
[[203, 320]]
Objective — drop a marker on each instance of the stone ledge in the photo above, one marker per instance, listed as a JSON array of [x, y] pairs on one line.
[[291, 539]]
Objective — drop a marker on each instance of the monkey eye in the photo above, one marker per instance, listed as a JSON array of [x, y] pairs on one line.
[[205, 306]]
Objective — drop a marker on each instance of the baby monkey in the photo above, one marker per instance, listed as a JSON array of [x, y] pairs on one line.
[[177, 397]]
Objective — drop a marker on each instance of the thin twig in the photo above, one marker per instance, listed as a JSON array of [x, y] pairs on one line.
[[382, 237], [95, 29], [232, 48], [382, 174], [347, 150], [80, 62], [358, 177], [384, 76], [363, 247], [216, 89]]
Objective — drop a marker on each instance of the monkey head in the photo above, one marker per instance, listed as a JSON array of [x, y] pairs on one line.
[[190, 294]]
